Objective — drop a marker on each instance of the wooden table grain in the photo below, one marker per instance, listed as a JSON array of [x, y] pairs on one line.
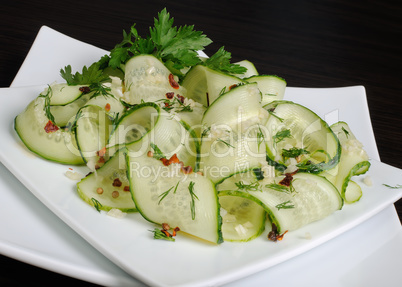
[[309, 43]]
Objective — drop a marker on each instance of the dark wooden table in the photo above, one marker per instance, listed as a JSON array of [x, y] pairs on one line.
[[309, 43]]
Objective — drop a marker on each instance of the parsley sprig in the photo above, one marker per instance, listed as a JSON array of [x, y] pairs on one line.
[[89, 75], [176, 46]]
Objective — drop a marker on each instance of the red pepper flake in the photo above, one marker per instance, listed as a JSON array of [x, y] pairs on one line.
[[173, 82], [117, 182], [173, 159], [126, 188], [101, 160], [175, 231], [165, 230], [101, 152], [85, 90], [50, 127], [274, 235], [187, 169], [232, 86], [165, 161], [107, 107], [165, 226], [181, 98], [70, 168], [170, 95], [288, 179]]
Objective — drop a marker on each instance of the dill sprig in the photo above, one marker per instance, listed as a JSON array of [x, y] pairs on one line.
[[247, 187], [46, 107], [285, 205], [96, 204], [281, 135], [193, 197]]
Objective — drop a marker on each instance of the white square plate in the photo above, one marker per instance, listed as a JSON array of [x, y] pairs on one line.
[[128, 243]]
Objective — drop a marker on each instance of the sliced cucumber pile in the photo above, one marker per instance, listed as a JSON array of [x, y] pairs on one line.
[[200, 145]]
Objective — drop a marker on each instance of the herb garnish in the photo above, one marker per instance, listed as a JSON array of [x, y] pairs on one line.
[[260, 137], [176, 46], [285, 205], [247, 187], [92, 74], [277, 187], [46, 107], [281, 135], [157, 154], [221, 61], [164, 194], [271, 112], [97, 204], [72, 126], [225, 143], [293, 152], [159, 234], [393, 187], [193, 196]]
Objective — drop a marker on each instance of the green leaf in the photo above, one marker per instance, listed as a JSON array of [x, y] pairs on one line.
[[221, 61], [163, 32], [90, 75]]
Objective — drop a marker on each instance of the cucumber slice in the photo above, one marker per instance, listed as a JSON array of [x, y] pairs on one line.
[[231, 141], [164, 194], [92, 129], [272, 87], [292, 126], [310, 198], [108, 103], [251, 69], [63, 114], [205, 85], [193, 119], [59, 146], [242, 103], [242, 218], [108, 187], [147, 79], [354, 161], [353, 192], [145, 124], [63, 94]]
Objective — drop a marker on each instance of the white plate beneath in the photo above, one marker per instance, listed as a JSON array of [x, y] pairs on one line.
[[136, 251]]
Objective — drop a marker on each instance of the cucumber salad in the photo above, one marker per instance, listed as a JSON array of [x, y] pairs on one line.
[[196, 145]]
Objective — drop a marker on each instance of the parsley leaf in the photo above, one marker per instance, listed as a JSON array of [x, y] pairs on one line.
[[221, 61], [90, 75]]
